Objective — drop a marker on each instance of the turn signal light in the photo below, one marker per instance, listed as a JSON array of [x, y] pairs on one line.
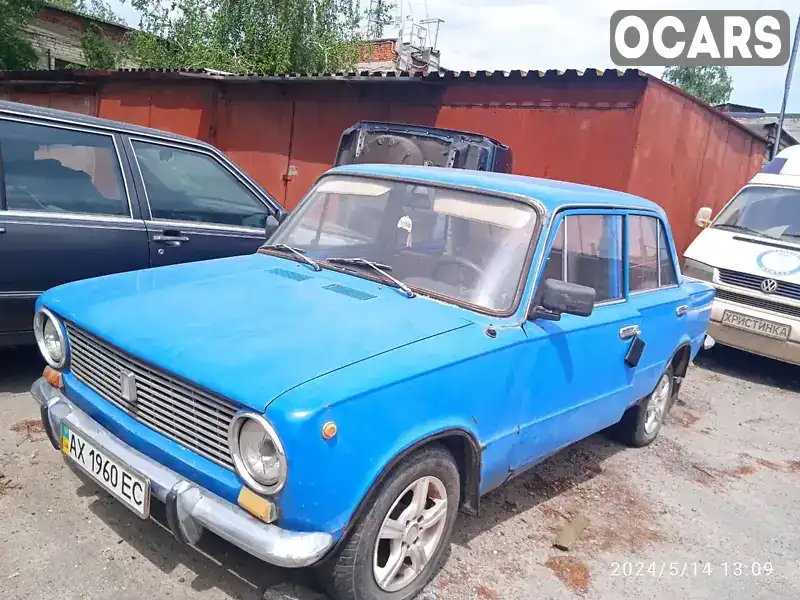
[[257, 506], [54, 377], [329, 430]]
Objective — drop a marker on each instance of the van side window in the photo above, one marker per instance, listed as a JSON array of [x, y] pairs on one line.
[[185, 185], [666, 264], [642, 253], [57, 170], [593, 247]]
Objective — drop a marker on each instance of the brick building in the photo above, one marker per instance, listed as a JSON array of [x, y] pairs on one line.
[[56, 36]]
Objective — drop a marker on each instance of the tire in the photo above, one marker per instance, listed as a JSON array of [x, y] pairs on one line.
[[634, 429], [352, 572]]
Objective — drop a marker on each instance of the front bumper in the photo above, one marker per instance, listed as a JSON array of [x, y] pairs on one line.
[[190, 508], [786, 351]]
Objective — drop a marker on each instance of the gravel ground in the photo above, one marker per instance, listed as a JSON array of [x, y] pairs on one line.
[[709, 510]]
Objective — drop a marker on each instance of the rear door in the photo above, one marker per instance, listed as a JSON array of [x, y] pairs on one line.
[[65, 214], [655, 293], [197, 206]]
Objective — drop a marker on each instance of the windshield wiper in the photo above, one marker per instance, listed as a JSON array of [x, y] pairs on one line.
[[296, 251], [744, 229], [379, 267]]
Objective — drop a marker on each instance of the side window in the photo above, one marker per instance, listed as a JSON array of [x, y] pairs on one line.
[[185, 185], [643, 253], [650, 259], [593, 248], [666, 265], [59, 170]]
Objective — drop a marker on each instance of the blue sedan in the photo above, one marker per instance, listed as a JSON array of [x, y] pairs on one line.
[[409, 339]]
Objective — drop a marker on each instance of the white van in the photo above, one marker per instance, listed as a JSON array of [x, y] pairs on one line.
[[751, 253]]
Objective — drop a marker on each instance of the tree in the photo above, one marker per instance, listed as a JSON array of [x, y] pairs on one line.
[[379, 15], [712, 85], [248, 36], [16, 51]]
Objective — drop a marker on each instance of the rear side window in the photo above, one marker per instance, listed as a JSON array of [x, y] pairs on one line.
[[185, 185], [587, 250], [650, 264], [57, 170], [666, 264]]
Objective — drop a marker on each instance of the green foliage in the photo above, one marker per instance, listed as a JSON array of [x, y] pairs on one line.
[[248, 36], [16, 51], [378, 17], [99, 52], [712, 85]]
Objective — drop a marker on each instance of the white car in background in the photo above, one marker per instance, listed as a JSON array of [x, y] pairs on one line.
[[751, 253]]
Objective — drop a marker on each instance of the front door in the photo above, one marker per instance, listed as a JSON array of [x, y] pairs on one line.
[[199, 208], [65, 215], [579, 381]]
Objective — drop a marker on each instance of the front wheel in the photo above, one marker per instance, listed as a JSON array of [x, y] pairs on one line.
[[398, 546], [641, 423]]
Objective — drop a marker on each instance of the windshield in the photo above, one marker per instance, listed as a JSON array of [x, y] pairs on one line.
[[768, 211], [467, 246]]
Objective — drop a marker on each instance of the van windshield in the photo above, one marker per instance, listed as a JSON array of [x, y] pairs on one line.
[[468, 246], [772, 212]]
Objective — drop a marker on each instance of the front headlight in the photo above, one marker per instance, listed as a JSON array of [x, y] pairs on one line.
[[697, 270], [50, 338], [257, 453]]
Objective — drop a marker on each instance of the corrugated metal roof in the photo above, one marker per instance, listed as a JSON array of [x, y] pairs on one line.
[[438, 76]]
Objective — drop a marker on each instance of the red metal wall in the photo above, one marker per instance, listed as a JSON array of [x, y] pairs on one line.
[[633, 134], [686, 157]]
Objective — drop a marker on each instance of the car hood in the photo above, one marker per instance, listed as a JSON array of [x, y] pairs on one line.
[[747, 254], [251, 327]]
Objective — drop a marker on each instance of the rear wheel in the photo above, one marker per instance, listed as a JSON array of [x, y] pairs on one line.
[[641, 423], [398, 546]]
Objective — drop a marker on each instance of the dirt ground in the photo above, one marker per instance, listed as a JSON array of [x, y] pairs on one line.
[[708, 511]]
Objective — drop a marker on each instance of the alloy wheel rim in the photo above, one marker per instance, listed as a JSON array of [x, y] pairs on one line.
[[657, 405], [410, 534]]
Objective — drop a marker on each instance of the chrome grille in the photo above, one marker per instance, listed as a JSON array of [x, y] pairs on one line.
[[777, 307], [190, 416], [753, 282]]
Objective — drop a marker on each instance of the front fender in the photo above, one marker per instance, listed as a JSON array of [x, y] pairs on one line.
[[380, 414]]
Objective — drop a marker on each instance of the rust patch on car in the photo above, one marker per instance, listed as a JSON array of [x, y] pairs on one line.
[[572, 572], [31, 430], [793, 466]]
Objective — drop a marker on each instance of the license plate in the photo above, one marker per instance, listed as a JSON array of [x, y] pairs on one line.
[[124, 483], [763, 327]]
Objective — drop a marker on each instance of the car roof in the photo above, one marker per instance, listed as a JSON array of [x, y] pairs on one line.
[[51, 114], [551, 193]]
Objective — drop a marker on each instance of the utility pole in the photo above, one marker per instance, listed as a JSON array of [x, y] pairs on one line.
[[788, 85]]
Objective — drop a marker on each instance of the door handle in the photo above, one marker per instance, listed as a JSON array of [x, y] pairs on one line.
[[682, 310], [2, 229], [170, 240], [629, 332]]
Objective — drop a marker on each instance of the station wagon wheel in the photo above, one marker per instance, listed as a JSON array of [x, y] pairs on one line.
[[398, 545], [641, 424]]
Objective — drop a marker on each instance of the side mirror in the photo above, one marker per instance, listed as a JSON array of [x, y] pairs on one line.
[[562, 297], [271, 225], [703, 217]]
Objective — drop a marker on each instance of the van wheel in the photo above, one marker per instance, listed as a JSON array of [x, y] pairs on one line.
[[641, 424], [398, 546]]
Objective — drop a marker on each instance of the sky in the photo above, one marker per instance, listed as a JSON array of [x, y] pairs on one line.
[[566, 34]]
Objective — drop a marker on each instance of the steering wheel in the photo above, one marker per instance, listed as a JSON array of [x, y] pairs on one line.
[[460, 262]]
